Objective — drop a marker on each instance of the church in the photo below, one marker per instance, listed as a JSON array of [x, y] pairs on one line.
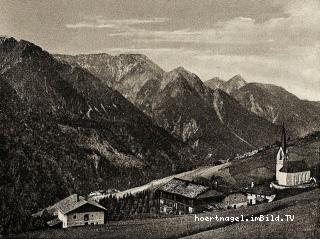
[[290, 173]]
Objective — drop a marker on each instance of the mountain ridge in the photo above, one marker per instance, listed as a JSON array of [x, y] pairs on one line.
[[234, 83], [279, 106], [175, 99], [64, 131]]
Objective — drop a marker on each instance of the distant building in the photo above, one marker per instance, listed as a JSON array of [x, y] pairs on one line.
[[260, 194], [75, 211], [183, 197], [289, 172], [235, 200]]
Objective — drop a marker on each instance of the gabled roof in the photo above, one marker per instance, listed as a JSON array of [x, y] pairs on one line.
[[68, 200], [184, 188], [294, 167], [73, 202]]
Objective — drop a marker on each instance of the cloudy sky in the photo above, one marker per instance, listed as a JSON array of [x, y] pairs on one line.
[[270, 41]]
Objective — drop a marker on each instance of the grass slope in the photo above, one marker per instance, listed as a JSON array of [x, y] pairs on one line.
[[182, 226]]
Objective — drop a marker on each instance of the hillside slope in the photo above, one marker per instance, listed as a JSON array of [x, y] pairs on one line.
[[279, 106], [202, 117], [63, 131], [126, 73], [210, 121]]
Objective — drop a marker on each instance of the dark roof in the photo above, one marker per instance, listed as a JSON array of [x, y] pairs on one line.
[[294, 167], [210, 194], [284, 139], [54, 222], [184, 188], [261, 190]]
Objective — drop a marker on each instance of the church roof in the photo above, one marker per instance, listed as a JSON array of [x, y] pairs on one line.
[[294, 167]]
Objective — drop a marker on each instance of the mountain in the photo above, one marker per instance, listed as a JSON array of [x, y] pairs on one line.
[[126, 73], [279, 106], [210, 121], [62, 130], [204, 118], [235, 83], [215, 83]]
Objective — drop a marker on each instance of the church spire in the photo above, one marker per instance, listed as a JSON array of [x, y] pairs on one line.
[[284, 139]]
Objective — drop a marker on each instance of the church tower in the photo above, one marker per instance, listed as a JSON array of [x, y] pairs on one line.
[[282, 153]]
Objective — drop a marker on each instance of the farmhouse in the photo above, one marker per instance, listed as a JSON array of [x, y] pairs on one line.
[[290, 172], [183, 197], [235, 200], [76, 211], [260, 194]]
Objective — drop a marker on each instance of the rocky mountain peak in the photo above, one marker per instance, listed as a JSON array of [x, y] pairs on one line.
[[235, 83], [215, 83], [132, 56], [183, 75], [237, 79]]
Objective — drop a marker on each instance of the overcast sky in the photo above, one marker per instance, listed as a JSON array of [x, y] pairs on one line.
[[265, 41]]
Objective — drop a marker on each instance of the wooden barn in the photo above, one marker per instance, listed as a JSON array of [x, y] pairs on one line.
[[180, 196]]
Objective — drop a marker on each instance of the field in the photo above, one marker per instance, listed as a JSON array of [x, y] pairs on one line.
[[306, 224], [258, 168], [305, 206]]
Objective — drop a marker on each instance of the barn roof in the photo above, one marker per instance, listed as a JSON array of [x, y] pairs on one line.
[[67, 206], [184, 188], [294, 167]]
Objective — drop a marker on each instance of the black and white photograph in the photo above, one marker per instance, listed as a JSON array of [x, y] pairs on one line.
[[160, 119]]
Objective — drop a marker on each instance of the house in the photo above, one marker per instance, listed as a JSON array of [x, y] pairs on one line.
[[74, 211], [290, 172], [259, 194], [235, 200], [180, 196], [80, 212]]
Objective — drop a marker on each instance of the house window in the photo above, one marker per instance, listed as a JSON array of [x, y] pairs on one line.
[[86, 217], [74, 216]]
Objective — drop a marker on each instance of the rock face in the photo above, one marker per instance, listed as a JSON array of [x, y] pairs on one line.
[[215, 83], [178, 101], [279, 106], [62, 130], [235, 83], [210, 120], [126, 73]]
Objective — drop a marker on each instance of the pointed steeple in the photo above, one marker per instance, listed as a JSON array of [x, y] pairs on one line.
[[284, 139]]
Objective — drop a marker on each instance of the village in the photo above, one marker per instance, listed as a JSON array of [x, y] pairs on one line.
[[180, 196]]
